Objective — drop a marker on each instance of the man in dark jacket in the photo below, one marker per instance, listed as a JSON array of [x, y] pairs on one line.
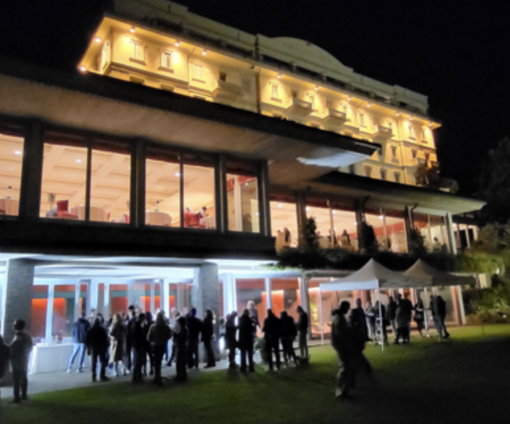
[[79, 332], [247, 328], [231, 338], [302, 327], [96, 342], [438, 307], [130, 325], [207, 337], [271, 332], [288, 333], [20, 351], [358, 323], [194, 330], [138, 344], [391, 314], [5, 356], [182, 340]]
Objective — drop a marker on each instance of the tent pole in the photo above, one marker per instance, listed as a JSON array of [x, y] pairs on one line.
[[322, 319], [380, 317]]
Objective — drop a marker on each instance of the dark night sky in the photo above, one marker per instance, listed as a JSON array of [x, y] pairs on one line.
[[452, 51]]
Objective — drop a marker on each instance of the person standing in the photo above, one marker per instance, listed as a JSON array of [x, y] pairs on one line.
[[438, 307], [194, 330], [288, 334], [139, 347], [158, 336], [254, 315], [96, 342], [79, 332], [148, 347], [271, 332], [130, 323], [5, 357], [21, 347], [358, 323], [419, 316], [246, 327], [302, 327], [182, 340], [207, 338], [370, 317], [391, 314], [231, 339], [175, 331], [342, 339], [403, 319], [118, 334]]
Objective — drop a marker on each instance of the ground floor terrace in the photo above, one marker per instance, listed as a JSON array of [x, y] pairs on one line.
[[464, 378], [50, 292]]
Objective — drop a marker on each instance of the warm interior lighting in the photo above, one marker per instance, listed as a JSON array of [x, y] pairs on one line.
[[430, 124], [78, 160], [280, 205], [410, 118], [83, 69], [132, 29], [368, 104], [279, 76], [17, 152], [98, 39], [348, 98], [316, 87], [204, 52], [177, 43], [177, 174], [397, 113]]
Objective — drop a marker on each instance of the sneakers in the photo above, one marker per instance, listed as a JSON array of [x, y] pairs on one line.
[[69, 370], [79, 370]]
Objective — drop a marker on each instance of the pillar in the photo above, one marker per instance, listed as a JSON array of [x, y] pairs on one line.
[[358, 210], [164, 292], [449, 233], [409, 226], [468, 241], [305, 301], [475, 232], [152, 295], [48, 335], [77, 293], [462, 312], [205, 294], [267, 286], [17, 296], [229, 294], [106, 305], [94, 297], [301, 217]]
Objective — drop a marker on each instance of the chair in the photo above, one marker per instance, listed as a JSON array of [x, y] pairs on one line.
[[63, 210]]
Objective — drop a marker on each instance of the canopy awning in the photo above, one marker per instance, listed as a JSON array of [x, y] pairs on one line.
[[424, 272], [375, 276]]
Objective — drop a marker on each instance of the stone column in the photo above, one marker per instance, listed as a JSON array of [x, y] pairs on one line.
[[153, 294], [17, 296], [305, 301], [106, 306], [205, 294], [77, 293], [267, 285], [49, 313], [449, 232], [93, 297], [164, 293]]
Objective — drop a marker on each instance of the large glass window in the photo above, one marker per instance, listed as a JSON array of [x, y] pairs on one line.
[[118, 299], [376, 221], [242, 194], [285, 296], [163, 188], [39, 308], [345, 230], [252, 290], [63, 310], [438, 233], [64, 178], [11, 155], [284, 224], [396, 230], [320, 211], [199, 192], [110, 183]]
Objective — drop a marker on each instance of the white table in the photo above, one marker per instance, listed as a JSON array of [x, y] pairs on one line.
[[96, 214], [54, 357], [158, 218], [10, 206]]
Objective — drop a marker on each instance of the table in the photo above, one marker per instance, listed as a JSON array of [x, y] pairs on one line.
[[10, 206], [158, 218], [53, 357], [208, 222], [96, 214]]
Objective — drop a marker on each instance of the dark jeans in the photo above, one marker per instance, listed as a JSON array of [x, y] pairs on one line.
[[78, 349], [303, 344], [20, 383], [211, 361], [231, 353], [247, 351], [173, 356], [441, 327], [150, 354], [182, 373], [273, 345], [139, 357], [99, 356], [127, 360], [288, 349], [402, 333], [193, 354], [158, 353]]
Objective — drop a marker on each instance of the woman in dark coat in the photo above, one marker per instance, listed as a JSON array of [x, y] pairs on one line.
[[207, 337], [117, 344], [182, 344], [419, 316], [231, 339], [287, 336], [246, 337]]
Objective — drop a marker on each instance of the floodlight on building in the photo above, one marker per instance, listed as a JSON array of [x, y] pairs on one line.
[[177, 43], [348, 98], [17, 152], [368, 104], [279, 76], [204, 52], [132, 29], [397, 113], [316, 87], [98, 39], [83, 69], [430, 124], [411, 118]]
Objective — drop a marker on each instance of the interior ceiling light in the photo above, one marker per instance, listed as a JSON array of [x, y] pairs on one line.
[[17, 152], [368, 104], [83, 69], [316, 87], [411, 118], [279, 76], [348, 98], [430, 124], [397, 113]]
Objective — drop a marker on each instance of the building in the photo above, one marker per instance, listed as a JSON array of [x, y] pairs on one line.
[[163, 171]]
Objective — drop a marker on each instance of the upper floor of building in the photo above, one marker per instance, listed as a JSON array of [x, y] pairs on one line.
[[162, 45]]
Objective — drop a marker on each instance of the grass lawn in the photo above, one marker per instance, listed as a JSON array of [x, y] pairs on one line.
[[465, 379]]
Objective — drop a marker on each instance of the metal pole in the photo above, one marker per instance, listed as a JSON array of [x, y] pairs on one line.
[[322, 320]]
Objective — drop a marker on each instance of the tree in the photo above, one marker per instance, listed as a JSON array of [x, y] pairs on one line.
[[494, 183], [368, 238], [311, 241], [417, 243]]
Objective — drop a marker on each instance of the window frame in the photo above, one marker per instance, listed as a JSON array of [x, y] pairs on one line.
[[133, 54]]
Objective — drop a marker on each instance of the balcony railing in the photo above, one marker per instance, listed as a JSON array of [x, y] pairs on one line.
[[299, 107], [335, 117], [226, 91], [382, 132]]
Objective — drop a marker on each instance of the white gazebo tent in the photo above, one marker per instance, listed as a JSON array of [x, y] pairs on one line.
[[372, 276], [423, 271]]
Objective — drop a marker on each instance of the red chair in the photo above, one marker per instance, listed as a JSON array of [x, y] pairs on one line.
[[63, 210]]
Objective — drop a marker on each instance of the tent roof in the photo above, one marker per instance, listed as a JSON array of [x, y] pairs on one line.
[[423, 271], [373, 276]]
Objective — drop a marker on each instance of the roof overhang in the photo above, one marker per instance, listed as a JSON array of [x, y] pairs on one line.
[[380, 193], [106, 105]]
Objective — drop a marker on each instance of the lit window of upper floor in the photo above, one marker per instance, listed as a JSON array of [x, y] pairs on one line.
[[396, 175], [198, 72], [105, 56], [394, 152], [362, 120], [275, 91], [137, 51], [414, 153], [166, 61], [412, 132]]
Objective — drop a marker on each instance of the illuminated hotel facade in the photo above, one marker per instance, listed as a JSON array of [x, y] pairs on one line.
[[163, 172]]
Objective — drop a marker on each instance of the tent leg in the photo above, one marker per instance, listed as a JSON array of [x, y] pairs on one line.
[[380, 318], [322, 320]]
